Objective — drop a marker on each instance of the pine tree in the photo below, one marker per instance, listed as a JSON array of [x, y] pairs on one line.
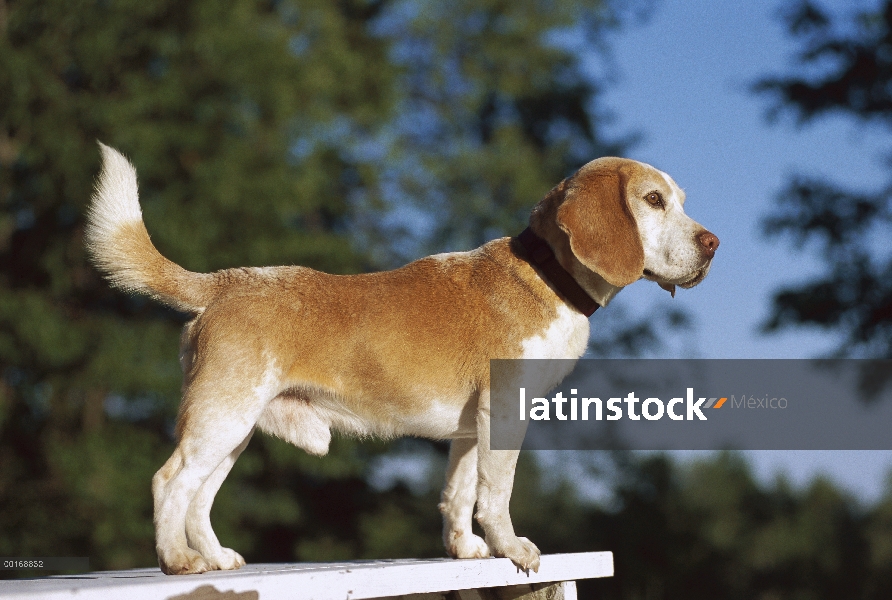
[[846, 70]]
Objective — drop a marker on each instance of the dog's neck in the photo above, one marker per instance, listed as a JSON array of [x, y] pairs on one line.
[[595, 286], [540, 254], [582, 291]]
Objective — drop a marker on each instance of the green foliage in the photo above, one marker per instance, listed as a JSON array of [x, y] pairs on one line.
[[708, 530], [207, 99], [846, 71], [495, 110], [342, 135]]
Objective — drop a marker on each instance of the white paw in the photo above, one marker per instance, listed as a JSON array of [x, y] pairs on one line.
[[520, 550], [183, 562], [466, 545], [226, 560]]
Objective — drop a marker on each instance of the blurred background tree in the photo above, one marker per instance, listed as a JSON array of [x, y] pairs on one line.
[[845, 68], [346, 136], [205, 98]]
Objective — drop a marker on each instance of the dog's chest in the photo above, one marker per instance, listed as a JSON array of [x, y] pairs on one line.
[[565, 337]]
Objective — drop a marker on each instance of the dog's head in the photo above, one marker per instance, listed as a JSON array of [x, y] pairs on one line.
[[623, 220]]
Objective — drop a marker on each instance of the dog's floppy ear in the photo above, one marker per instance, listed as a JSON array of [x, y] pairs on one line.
[[603, 234]]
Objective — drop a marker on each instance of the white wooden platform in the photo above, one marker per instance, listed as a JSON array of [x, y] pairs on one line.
[[472, 579]]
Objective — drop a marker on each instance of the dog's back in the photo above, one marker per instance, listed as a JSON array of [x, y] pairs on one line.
[[299, 353]]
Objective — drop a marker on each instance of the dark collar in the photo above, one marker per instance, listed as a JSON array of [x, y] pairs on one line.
[[539, 253]]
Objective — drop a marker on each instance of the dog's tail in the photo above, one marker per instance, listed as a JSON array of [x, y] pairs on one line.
[[119, 245]]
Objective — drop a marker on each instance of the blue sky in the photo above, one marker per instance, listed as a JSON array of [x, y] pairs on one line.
[[683, 79]]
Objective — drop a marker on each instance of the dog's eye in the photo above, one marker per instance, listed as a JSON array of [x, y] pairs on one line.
[[655, 199]]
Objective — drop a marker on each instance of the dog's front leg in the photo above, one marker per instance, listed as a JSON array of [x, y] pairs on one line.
[[495, 478], [457, 501]]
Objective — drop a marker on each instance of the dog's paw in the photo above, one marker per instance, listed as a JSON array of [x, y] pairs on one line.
[[228, 559], [466, 545], [223, 559], [520, 550], [183, 562]]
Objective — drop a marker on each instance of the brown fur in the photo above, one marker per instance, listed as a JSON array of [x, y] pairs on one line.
[[299, 353], [338, 334]]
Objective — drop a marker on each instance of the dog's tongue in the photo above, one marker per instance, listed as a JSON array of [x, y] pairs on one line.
[[669, 287]]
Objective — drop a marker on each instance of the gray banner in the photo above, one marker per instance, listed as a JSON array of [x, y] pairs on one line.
[[644, 404]]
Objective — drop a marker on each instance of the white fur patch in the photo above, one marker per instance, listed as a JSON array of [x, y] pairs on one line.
[[297, 422], [674, 187], [672, 252], [440, 420], [116, 199], [268, 387], [447, 255], [565, 337]]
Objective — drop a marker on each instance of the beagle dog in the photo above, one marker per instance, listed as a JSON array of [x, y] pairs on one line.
[[297, 353]]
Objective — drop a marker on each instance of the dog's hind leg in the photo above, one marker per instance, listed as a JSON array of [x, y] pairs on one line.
[[457, 501], [199, 533], [215, 422]]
